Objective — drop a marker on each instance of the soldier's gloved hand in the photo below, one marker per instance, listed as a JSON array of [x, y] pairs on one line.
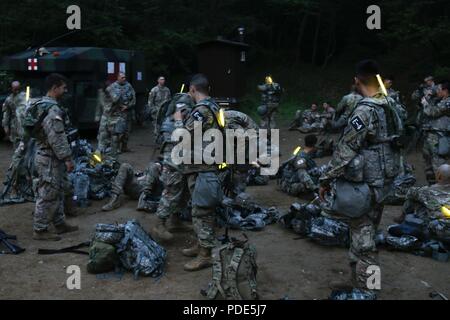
[[69, 166]]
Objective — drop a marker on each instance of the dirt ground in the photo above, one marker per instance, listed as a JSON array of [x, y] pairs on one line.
[[296, 269]]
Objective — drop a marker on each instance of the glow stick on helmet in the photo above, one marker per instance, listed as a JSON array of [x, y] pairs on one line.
[[182, 88], [297, 150], [221, 118], [382, 86], [446, 211], [269, 80], [27, 95]]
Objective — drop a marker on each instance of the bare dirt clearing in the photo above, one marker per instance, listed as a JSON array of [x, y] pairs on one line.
[[298, 269]]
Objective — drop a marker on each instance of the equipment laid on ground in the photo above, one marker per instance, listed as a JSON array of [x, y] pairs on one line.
[[5, 239]]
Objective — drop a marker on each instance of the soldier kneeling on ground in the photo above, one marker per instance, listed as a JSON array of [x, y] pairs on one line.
[[297, 176], [145, 187]]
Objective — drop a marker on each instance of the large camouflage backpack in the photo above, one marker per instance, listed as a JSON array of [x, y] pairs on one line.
[[35, 112], [234, 272], [139, 253]]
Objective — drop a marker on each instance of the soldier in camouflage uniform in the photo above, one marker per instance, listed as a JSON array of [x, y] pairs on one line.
[[173, 198], [296, 178], [366, 153], [104, 136], [53, 159], [328, 114], [436, 130], [157, 96], [120, 99], [145, 187], [426, 202], [188, 178], [395, 95], [312, 120], [13, 105], [270, 101], [235, 120], [345, 108]]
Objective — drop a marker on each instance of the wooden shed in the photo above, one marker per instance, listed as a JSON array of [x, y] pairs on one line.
[[223, 62]]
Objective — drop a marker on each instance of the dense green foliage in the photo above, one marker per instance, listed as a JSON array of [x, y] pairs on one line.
[[288, 36]]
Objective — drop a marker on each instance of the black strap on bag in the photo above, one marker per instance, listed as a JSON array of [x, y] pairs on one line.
[[72, 249]]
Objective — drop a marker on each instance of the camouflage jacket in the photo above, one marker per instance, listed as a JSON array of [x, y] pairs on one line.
[[394, 95], [270, 93], [364, 152], [438, 115], [427, 200], [310, 116], [157, 96], [10, 109], [239, 120], [348, 104], [119, 96], [204, 113], [53, 139]]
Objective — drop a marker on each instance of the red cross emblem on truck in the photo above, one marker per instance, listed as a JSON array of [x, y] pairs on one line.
[[32, 64]]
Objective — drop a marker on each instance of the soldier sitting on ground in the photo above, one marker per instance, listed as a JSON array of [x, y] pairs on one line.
[[426, 202], [327, 115], [311, 120], [145, 187], [297, 174]]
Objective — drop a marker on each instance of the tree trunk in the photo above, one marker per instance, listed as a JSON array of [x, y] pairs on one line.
[[316, 40], [301, 33]]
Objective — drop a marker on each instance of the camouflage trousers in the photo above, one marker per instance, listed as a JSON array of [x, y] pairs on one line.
[[14, 136], [300, 183], [431, 156], [104, 136], [108, 136], [363, 252], [314, 127], [51, 186], [127, 183], [178, 189], [268, 121]]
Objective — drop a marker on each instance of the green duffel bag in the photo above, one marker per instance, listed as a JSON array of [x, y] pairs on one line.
[[102, 257]]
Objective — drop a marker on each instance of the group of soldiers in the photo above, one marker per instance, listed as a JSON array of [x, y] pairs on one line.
[[368, 157]]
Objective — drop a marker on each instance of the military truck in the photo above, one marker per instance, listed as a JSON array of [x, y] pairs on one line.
[[87, 69]]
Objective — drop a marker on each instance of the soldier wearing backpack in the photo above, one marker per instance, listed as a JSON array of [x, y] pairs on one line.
[[44, 122], [200, 181]]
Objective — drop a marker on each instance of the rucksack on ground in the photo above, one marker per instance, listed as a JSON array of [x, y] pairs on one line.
[[128, 246], [234, 272], [102, 257]]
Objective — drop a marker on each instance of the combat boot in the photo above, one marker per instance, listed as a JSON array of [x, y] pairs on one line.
[[160, 230], [191, 252], [175, 224], [65, 228], [202, 261], [45, 236], [113, 204], [345, 285]]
